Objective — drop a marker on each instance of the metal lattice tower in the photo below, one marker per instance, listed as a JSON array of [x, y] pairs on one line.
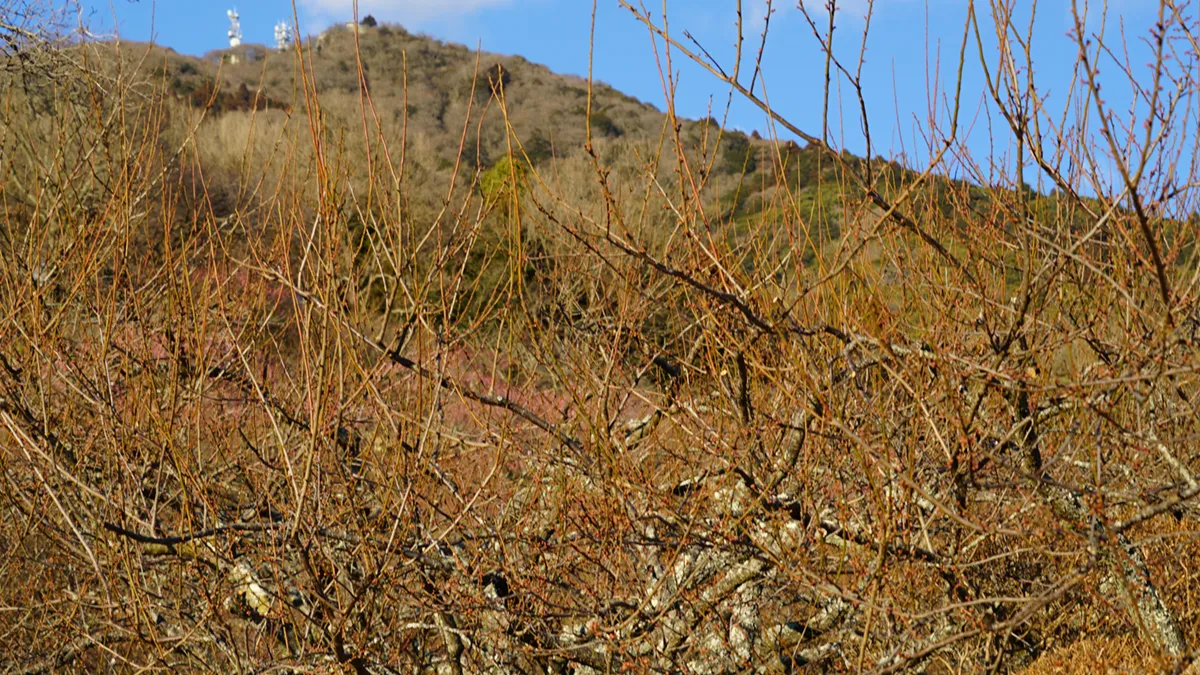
[[283, 35], [235, 28]]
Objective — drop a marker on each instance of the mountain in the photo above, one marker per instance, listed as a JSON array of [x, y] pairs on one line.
[[423, 88]]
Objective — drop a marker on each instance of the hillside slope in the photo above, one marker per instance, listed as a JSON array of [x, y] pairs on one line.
[[426, 89]]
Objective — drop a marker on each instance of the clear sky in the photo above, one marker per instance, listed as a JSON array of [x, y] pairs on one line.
[[908, 40]]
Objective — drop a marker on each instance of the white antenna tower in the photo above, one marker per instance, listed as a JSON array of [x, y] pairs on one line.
[[283, 35], [235, 28]]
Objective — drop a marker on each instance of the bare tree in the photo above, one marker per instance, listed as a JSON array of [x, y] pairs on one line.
[[591, 420]]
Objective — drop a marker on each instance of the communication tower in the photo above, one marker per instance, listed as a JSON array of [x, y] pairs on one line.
[[283, 35], [235, 32]]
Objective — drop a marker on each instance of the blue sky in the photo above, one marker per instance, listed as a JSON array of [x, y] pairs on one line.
[[907, 41]]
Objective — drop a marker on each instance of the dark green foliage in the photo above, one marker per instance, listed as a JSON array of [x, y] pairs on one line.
[[242, 98], [369, 21], [604, 124], [538, 148], [802, 165], [498, 78], [200, 92], [489, 82], [737, 154]]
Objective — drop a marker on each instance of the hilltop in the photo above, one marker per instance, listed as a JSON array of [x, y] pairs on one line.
[[430, 84]]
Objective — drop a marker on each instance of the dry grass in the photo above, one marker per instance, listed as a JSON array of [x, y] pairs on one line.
[[310, 388], [1100, 655]]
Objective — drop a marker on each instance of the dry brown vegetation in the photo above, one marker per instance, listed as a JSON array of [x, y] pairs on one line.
[[356, 382]]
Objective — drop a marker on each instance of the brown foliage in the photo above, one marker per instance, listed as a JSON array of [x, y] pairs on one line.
[[277, 394]]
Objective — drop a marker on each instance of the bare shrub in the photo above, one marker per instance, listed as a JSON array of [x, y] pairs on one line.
[[279, 391]]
